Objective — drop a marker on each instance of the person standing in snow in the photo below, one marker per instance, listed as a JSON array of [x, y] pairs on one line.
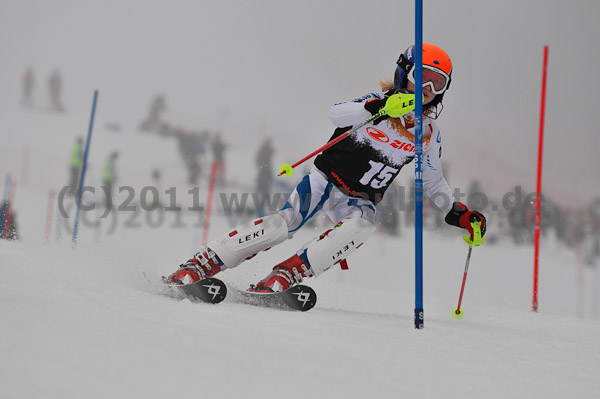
[[55, 89], [109, 176], [75, 163], [347, 182], [264, 181], [218, 148], [154, 121], [191, 146], [28, 85], [8, 222]]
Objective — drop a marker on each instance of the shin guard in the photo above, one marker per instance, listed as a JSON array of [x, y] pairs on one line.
[[337, 244], [249, 239]]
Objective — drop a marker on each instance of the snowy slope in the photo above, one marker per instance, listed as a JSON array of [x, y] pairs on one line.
[[89, 322]]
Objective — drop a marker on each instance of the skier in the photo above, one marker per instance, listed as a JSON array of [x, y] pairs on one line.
[[348, 180]]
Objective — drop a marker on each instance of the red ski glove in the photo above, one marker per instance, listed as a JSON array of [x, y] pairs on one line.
[[461, 216]]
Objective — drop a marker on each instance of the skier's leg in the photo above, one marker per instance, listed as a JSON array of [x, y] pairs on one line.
[[333, 246], [318, 255], [231, 249], [307, 199], [248, 239]]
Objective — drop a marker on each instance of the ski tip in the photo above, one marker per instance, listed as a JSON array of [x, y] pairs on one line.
[[300, 297], [210, 290]]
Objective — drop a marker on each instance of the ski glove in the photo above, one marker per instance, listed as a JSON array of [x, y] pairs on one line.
[[461, 216], [375, 105]]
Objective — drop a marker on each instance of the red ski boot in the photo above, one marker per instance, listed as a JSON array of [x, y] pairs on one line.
[[285, 275], [203, 265]]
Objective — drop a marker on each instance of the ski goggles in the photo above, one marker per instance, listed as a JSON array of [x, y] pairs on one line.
[[435, 78]]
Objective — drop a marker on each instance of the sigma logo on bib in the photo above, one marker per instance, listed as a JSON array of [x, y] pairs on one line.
[[378, 135]]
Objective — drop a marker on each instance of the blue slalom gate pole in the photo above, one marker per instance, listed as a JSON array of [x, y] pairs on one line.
[[83, 168], [419, 318]]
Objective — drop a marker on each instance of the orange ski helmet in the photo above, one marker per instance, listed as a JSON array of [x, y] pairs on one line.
[[436, 63]]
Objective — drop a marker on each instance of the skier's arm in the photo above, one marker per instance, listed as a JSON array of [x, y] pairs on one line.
[[457, 214], [433, 177], [352, 112]]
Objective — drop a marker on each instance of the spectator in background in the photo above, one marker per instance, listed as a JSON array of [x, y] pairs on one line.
[[8, 223], [28, 85], [55, 89], [190, 147], [75, 164], [218, 148], [264, 182], [156, 181], [109, 176], [588, 237], [474, 187], [153, 123], [388, 215]]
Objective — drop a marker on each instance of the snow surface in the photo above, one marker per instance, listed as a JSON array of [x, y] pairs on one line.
[[89, 322]]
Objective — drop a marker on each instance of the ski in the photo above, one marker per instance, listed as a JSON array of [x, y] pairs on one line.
[[212, 290], [299, 297], [209, 290]]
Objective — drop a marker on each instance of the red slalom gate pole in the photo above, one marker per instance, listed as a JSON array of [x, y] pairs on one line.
[[211, 188], [49, 211], [538, 201]]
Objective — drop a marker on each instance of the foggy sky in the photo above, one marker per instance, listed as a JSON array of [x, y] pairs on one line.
[[257, 68]]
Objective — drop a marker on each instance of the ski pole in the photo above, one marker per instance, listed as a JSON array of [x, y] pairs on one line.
[[477, 241], [397, 105], [457, 314]]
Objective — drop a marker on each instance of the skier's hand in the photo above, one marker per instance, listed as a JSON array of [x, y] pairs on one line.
[[461, 216], [375, 105]]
